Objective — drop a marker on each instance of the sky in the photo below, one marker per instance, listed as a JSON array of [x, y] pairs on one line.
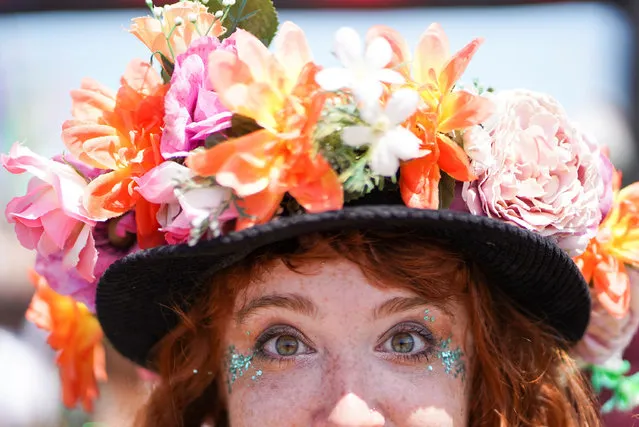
[[579, 53]]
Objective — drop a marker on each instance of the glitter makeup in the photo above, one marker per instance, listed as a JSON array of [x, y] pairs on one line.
[[428, 318], [238, 364], [452, 359]]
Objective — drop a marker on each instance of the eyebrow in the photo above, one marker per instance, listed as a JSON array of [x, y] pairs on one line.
[[293, 302], [398, 305]]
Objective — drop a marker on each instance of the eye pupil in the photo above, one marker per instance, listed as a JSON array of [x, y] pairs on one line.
[[286, 345], [402, 343]]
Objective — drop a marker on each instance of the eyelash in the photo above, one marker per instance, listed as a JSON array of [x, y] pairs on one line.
[[276, 332], [411, 328]]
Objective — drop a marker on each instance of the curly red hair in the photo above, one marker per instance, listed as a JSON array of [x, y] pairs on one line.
[[521, 375]]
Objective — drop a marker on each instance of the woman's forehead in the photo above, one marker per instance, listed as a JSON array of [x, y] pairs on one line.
[[318, 285]]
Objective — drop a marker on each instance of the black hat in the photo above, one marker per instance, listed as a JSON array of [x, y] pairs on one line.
[[135, 294]]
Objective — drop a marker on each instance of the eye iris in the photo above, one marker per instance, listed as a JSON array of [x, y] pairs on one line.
[[286, 345], [403, 343]]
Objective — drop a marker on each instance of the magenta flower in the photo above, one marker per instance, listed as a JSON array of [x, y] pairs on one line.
[[193, 110]]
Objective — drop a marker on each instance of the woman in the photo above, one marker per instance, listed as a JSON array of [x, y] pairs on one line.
[[363, 328], [286, 245]]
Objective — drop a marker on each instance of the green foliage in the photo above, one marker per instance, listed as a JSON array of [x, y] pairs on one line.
[[258, 17], [446, 191], [625, 389], [349, 162]]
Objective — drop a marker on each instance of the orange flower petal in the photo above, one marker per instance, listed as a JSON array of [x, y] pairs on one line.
[[149, 31], [292, 51], [91, 143], [431, 55], [612, 286], [453, 159], [148, 234], [419, 183], [622, 226], [111, 194], [457, 65], [76, 335], [242, 164], [141, 78], [460, 110], [226, 70], [258, 208], [323, 194], [92, 101], [401, 53]]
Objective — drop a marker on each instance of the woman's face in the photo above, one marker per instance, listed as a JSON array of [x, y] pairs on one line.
[[328, 349]]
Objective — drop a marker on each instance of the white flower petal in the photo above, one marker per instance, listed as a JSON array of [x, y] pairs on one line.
[[382, 162], [368, 91], [402, 104], [387, 75], [402, 143], [378, 53], [333, 79], [370, 111], [356, 136], [348, 47]]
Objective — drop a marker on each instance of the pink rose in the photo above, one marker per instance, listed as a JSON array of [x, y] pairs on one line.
[[114, 239], [608, 336], [51, 218], [184, 204], [538, 172], [192, 108]]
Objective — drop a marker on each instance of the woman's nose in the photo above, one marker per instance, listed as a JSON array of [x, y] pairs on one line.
[[352, 411]]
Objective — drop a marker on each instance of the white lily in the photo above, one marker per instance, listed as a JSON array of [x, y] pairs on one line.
[[389, 141], [364, 71]]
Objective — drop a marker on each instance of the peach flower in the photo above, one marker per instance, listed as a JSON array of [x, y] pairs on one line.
[[173, 32]]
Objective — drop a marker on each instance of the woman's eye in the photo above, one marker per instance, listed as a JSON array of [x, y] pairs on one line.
[[285, 345], [405, 343], [402, 342]]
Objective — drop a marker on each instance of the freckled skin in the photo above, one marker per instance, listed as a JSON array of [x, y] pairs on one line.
[[343, 378]]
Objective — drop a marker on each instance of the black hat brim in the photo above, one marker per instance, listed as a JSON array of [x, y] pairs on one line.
[[135, 295]]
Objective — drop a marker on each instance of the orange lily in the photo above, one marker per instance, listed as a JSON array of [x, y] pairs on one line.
[[616, 244], [121, 134], [166, 37], [77, 337], [434, 74], [279, 92]]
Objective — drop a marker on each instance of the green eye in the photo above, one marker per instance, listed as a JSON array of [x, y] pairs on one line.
[[286, 345], [402, 342]]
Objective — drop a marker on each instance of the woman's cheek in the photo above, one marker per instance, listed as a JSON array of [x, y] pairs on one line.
[[276, 399]]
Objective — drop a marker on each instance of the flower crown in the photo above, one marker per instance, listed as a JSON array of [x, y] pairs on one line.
[[225, 134]]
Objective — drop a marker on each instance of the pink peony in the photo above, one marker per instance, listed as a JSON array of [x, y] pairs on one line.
[[51, 218], [538, 171], [192, 109], [182, 208], [608, 336]]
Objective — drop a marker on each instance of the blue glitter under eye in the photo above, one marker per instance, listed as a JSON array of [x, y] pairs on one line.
[[238, 365], [452, 359]]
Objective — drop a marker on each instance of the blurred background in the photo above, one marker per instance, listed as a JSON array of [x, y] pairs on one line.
[[583, 53]]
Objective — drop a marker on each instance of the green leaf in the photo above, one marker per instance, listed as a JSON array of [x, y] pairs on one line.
[[446, 191], [258, 17]]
